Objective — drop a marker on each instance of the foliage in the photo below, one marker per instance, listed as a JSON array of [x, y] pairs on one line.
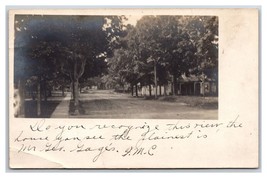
[[168, 46], [45, 45]]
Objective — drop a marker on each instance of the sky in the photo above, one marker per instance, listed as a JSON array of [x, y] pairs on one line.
[[132, 19]]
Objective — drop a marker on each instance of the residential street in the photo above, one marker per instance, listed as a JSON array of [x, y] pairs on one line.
[[89, 57]]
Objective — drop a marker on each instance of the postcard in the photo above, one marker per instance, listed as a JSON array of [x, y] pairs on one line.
[[133, 88]]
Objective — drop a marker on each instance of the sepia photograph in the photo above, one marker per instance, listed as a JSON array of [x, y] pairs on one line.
[[133, 88], [116, 66]]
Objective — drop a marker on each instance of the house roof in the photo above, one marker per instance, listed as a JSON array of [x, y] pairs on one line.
[[192, 78]]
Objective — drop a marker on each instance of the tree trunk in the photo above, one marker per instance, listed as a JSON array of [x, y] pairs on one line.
[[165, 92], [172, 87], [174, 81], [76, 93], [39, 98], [80, 89], [123, 88], [21, 87], [159, 90], [136, 90], [149, 90], [72, 90], [155, 79], [45, 94], [63, 90], [132, 89], [75, 85], [203, 86]]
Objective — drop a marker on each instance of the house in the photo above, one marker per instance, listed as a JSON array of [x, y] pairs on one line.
[[196, 85], [186, 85]]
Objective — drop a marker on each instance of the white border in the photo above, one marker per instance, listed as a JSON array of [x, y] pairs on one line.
[[116, 3]]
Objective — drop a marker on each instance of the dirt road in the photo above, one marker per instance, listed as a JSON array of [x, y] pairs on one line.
[[108, 104]]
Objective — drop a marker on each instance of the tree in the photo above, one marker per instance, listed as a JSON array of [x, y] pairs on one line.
[[204, 32], [166, 40], [209, 46], [72, 44], [124, 66], [25, 63], [163, 46], [144, 52]]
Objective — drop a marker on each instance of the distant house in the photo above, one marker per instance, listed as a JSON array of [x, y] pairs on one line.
[[194, 85], [186, 85]]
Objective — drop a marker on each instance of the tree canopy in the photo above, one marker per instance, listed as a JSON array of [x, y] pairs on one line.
[[168, 46], [48, 46]]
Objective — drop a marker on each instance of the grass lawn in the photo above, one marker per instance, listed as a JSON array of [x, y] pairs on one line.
[[194, 101], [104, 104]]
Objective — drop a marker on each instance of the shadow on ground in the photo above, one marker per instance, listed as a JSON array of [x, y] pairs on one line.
[[47, 108]]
